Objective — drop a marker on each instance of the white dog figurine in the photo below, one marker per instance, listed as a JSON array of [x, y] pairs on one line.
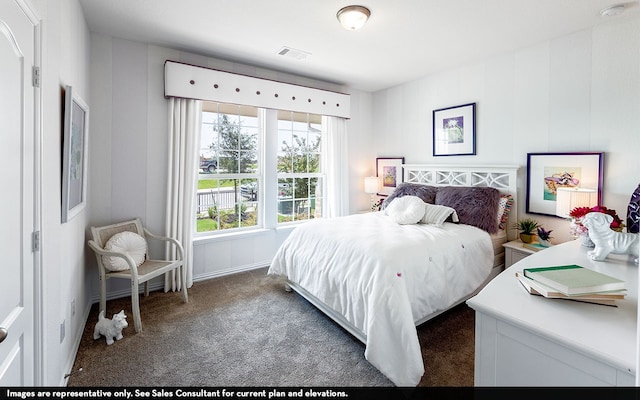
[[606, 239], [110, 328]]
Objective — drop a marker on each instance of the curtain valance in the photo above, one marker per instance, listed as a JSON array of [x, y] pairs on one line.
[[193, 82]]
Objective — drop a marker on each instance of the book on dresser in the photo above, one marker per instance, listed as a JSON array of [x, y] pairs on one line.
[[535, 246], [574, 279], [537, 288]]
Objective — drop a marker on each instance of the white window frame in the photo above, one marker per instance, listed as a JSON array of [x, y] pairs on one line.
[[302, 175], [259, 176], [267, 177]]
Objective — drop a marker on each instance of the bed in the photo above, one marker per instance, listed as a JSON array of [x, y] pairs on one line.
[[381, 274]]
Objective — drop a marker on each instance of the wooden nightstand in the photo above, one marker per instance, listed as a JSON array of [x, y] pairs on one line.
[[514, 252]]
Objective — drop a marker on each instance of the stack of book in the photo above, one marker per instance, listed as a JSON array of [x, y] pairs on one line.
[[572, 282], [535, 246]]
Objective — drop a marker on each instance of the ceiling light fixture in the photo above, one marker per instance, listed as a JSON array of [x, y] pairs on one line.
[[612, 11], [353, 17]]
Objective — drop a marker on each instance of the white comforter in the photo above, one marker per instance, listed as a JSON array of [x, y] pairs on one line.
[[383, 277]]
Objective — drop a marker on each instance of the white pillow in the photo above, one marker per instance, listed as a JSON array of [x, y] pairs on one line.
[[406, 209], [435, 214], [124, 242]]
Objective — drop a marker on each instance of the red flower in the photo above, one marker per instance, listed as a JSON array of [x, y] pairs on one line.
[[579, 212]]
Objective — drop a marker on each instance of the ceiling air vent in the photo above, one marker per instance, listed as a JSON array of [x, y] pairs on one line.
[[293, 53]]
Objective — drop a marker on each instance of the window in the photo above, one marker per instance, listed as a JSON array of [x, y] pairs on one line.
[[299, 170], [229, 175], [232, 185]]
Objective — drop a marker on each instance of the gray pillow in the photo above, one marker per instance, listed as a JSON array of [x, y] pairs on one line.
[[425, 192], [476, 206]]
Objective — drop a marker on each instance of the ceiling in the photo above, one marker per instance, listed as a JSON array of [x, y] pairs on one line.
[[403, 39]]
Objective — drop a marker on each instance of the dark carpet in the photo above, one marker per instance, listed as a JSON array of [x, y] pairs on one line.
[[246, 330]]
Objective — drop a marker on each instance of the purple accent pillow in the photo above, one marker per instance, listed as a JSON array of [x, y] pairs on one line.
[[425, 192], [633, 212], [476, 206]]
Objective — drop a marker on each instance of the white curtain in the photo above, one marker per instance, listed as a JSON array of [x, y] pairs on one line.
[[335, 165], [185, 116]]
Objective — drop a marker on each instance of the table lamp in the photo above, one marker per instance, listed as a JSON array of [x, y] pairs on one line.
[[371, 184], [568, 198]]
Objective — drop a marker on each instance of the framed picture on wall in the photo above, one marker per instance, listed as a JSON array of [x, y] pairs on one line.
[[454, 130], [546, 172], [74, 154], [389, 171]]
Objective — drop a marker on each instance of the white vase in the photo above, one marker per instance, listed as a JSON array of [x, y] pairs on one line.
[[544, 243]]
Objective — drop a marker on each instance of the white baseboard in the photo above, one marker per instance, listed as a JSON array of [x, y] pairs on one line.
[[230, 271], [68, 365]]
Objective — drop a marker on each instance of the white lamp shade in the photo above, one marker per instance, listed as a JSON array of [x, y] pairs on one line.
[[569, 198], [371, 184]]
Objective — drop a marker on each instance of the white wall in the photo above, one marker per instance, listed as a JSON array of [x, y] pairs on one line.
[[576, 93], [65, 61], [129, 148]]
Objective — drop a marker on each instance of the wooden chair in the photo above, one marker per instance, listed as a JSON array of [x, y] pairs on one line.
[[143, 273]]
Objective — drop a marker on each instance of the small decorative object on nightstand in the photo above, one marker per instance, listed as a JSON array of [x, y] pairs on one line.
[[527, 228], [544, 236]]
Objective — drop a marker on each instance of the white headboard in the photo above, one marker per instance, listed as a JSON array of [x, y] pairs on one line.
[[501, 177]]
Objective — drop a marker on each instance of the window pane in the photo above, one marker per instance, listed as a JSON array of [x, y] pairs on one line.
[[284, 121], [230, 138], [285, 146], [314, 162], [285, 200], [228, 149], [302, 209], [316, 198], [285, 210], [299, 137], [301, 188], [226, 204], [248, 161]]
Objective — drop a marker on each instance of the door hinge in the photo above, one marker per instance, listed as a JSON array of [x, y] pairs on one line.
[[36, 76], [35, 241]]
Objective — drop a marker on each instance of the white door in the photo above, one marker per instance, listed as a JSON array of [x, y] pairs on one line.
[[17, 146]]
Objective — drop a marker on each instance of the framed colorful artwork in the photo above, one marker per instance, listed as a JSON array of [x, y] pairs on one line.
[[454, 130], [546, 172], [389, 170]]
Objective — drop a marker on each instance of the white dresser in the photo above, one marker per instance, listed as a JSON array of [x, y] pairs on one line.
[[526, 340]]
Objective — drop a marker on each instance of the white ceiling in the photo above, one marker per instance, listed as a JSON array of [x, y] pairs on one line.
[[403, 40]]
